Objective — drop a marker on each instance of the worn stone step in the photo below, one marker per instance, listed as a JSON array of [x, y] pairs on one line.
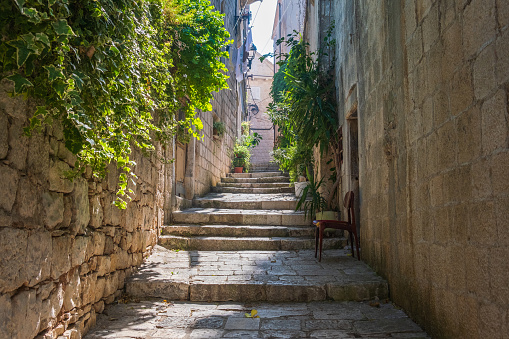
[[280, 201], [257, 180], [238, 231], [253, 185], [253, 190], [209, 243], [256, 174], [276, 276], [240, 217]]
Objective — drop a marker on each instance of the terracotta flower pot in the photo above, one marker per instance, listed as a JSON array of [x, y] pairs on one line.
[[239, 169]]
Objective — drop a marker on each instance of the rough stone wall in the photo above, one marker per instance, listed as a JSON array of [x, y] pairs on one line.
[[260, 123], [212, 154], [65, 251], [431, 82]]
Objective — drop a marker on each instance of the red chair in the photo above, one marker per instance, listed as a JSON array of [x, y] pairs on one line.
[[349, 226]]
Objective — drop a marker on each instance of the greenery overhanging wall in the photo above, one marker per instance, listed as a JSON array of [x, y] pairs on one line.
[[103, 67]]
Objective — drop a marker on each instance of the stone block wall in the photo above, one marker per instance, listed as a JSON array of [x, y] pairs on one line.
[[65, 250], [431, 79], [212, 153]]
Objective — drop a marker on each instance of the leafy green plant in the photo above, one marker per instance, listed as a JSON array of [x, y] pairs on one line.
[[311, 200], [102, 68], [219, 128], [295, 159], [242, 149], [305, 108]]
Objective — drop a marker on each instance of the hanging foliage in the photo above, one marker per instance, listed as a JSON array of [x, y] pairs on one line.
[[103, 67]]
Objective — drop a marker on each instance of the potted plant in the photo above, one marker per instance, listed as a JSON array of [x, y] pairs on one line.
[[312, 201], [242, 149], [241, 157], [218, 129]]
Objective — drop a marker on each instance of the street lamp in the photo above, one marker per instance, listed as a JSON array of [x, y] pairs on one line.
[[251, 56]]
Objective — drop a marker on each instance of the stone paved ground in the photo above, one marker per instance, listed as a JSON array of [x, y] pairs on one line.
[[167, 320], [252, 249], [255, 275]]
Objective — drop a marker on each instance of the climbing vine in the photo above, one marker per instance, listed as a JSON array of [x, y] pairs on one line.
[[104, 67]]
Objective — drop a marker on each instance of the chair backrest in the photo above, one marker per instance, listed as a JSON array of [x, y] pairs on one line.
[[348, 203]]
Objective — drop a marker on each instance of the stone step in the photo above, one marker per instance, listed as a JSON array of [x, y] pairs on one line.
[[271, 179], [173, 242], [240, 217], [277, 179], [256, 174], [275, 276], [253, 190], [282, 201], [253, 185], [238, 231]]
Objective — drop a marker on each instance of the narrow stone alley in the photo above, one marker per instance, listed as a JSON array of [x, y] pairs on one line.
[[244, 248]]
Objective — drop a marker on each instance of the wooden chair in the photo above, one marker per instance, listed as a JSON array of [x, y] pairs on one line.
[[349, 226]]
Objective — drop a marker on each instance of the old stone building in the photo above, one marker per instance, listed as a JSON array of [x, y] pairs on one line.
[[258, 95], [422, 89], [65, 250]]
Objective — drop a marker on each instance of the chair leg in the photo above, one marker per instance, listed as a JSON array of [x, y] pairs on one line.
[[351, 240], [357, 245], [316, 241], [321, 243]]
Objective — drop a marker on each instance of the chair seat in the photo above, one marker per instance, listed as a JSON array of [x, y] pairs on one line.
[[330, 225]]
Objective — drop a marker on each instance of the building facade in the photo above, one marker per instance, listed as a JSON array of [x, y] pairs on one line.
[[258, 97], [422, 92]]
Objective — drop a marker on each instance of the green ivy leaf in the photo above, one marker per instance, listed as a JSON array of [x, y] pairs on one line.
[[32, 14], [22, 51], [59, 87], [79, 79], [54, 73], [19, 83], [114, 49], [62, 28], [43, 38], [20, 4]]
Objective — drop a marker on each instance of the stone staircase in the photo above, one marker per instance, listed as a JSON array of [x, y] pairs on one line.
[[245, 242], [249, 218]]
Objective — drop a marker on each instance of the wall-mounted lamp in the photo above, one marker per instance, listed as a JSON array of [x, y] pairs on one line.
[[251, 56]]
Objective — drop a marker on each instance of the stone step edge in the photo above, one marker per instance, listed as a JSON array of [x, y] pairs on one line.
[[296, 227], [218, 243], [247, 231], [267, 291]]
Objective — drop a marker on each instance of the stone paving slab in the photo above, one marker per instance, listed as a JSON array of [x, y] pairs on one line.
[[255, 275], [240, 217], [170, 320]]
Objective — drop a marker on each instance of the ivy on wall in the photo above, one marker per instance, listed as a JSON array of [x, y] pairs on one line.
[[103, 67]]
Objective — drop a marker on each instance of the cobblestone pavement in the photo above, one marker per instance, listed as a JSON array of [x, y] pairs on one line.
[[257, 266], [255, 275], [167, 320]]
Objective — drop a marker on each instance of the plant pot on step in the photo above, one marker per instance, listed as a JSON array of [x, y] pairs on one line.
[[299, 188], [327, 215], [239, 169]]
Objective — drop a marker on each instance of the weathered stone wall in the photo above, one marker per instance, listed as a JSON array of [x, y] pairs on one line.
[[212, 154], [431, 81], [65, 250]]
